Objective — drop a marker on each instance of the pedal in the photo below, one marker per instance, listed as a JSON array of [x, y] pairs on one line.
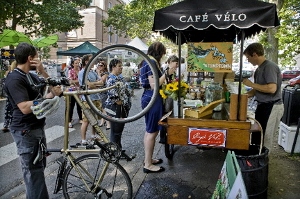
[[124, 156]]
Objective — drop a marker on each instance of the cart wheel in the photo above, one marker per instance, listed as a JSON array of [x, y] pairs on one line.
[[169, 150]]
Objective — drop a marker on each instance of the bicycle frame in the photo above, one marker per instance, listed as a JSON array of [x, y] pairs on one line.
[[87, 112], [93, 121]]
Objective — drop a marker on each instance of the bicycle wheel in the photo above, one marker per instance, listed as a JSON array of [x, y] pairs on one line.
[[115, 181], [133, 109]]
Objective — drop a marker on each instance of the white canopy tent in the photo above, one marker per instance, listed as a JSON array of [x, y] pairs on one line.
[[139, 44]]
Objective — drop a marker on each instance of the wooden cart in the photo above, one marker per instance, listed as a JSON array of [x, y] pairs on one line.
[[236, 134]]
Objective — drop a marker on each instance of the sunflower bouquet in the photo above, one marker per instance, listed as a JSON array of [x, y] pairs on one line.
[[172, 90]]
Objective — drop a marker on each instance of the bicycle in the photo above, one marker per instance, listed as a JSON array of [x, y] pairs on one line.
[[97, 174]]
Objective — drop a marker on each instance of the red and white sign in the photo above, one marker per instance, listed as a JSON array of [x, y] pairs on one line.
[[207, 137]]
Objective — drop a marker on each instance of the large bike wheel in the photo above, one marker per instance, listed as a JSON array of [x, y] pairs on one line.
[[115, 182], [126, 54]]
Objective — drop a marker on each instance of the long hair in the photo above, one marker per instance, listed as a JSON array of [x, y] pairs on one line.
[[105, 69], [157, 50], [86, 58]]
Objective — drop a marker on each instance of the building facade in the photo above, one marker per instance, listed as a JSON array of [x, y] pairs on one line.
[[93, 30]]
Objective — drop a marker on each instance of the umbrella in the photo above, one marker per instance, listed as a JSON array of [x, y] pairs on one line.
[[22, 38], [214, 21], [12, 37], [8, 37], [45, 41]]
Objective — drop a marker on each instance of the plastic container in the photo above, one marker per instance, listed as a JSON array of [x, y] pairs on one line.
[[214, 92], [254, 168], [286, 137]]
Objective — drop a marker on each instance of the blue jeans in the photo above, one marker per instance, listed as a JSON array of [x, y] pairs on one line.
[[33, 174]]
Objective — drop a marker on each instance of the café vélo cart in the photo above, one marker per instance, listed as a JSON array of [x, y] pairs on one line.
[[213, 21]]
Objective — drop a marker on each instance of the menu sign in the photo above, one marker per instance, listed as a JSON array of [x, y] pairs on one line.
[[207, 137]]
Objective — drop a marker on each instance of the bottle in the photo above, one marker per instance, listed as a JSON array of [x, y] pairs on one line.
[[214, 92]]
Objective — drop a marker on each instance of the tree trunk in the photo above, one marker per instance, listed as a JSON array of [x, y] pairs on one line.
[[272, 48]]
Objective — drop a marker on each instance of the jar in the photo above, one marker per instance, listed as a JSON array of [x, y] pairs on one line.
[[214, 92]]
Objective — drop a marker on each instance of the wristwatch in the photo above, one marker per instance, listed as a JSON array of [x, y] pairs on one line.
[[37, 101]]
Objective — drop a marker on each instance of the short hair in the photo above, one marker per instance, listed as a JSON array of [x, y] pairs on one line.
[[114, 63], [157, 50], [172, 58], [254, 48], [23, 51]]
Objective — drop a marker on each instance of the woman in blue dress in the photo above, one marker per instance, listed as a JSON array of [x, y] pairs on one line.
[[155, 51]]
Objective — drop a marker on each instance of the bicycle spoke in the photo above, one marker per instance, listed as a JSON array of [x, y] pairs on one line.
[[114, 181]]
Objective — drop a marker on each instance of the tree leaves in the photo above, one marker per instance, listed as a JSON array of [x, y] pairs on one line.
[[136, 18], [42, 17]]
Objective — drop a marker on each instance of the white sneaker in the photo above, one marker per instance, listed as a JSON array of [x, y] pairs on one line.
[[84, 142]]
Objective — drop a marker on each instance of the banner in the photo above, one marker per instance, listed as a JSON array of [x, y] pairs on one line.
[[207, 137], [7, 54], [210, 57]]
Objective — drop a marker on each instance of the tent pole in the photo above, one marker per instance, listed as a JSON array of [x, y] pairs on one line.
[[241, 75], [180, 113]]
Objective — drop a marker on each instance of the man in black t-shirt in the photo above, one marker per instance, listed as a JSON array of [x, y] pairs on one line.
[[28, 131]]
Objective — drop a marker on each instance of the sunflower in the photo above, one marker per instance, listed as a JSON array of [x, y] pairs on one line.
[[171, 90], [162, 93], [171, 87]]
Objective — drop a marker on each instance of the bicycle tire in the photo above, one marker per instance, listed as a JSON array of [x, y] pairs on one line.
[[115, 181], [136, 110]]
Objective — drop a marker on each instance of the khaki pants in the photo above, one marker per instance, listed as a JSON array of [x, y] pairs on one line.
[[272, 125]]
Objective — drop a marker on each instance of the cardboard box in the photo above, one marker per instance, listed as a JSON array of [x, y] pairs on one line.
[[286, 137]]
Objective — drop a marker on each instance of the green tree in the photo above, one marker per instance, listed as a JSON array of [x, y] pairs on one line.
[[282, 43], [42, 17], [136, 18], [289, 32]]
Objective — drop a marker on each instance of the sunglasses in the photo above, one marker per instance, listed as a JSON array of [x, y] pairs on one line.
[[101, 65]]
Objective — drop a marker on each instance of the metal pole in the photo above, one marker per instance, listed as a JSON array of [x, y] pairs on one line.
[[241, 70], [296, 137], [180, 113]]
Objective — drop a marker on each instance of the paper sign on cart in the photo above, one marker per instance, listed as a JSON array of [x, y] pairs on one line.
[[207, 137]]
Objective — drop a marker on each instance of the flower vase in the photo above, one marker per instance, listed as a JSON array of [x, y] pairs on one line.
[[175, 107]]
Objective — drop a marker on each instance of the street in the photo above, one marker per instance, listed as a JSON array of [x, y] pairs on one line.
[[192, 173], [12, 182]]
